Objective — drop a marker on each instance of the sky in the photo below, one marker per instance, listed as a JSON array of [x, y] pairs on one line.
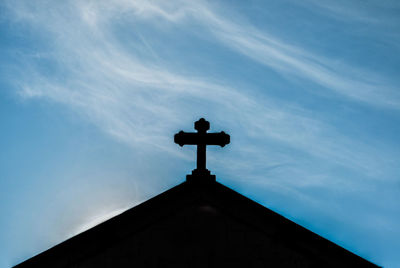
[[92, 92]]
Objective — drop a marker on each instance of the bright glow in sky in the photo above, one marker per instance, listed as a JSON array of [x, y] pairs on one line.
[[92, 93]]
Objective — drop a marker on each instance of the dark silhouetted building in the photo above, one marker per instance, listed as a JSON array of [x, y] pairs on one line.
[[199, 223]]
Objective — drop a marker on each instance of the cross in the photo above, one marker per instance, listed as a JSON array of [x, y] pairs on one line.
[[201, 138]]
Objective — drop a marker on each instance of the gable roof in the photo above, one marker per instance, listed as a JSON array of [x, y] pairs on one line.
[[210, 197]]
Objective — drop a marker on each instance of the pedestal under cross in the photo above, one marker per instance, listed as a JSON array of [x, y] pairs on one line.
[[201, 139]]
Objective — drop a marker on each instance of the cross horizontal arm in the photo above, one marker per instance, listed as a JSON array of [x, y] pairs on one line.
[[190, 138], [220, 139]]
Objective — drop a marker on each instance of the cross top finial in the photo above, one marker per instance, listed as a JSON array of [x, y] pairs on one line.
[[202, 125], [201, 139]]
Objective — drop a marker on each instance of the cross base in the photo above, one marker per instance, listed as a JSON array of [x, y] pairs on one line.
[[200, 176]]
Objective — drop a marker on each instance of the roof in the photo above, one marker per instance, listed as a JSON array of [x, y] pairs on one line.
[[206, 219]]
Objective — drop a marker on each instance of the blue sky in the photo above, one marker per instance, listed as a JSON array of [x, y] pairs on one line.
[[92, 93]]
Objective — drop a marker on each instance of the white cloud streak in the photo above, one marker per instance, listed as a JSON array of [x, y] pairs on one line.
[[136, 100], [366, 12], [332, 74]]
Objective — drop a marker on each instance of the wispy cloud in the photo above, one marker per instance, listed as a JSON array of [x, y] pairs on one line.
[[288, 60], [136, 99], [368, 12], [332, 74]]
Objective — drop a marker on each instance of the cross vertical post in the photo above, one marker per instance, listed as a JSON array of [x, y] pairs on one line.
[[201, 157], [201, 126], [201, 139]]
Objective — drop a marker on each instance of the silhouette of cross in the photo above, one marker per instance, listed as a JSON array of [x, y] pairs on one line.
[[201, 139]]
